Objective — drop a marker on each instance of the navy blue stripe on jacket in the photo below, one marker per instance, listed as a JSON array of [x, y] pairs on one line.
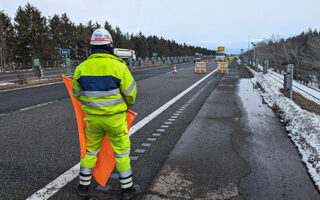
[[98, 83]]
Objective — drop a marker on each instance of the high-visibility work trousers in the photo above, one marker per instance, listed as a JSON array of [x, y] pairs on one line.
[[117, 130]]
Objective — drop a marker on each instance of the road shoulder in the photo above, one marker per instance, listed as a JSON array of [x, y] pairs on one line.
[[217, 157]]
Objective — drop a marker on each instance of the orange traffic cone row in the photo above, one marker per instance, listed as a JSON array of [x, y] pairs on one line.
[[174, 69]]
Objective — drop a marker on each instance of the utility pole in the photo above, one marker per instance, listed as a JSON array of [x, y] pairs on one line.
[[248, 50], [254, 53], [288, 79]]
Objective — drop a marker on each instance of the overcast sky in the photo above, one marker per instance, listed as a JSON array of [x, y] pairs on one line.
[[206, 23]]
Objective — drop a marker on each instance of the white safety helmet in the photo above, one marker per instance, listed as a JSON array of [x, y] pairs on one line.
[[101, 37]]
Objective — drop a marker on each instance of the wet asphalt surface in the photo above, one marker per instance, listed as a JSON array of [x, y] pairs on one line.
[[235, 148], [41, 143]]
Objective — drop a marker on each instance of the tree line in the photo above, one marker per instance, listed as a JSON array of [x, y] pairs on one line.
[[32, 35], [303, 51]]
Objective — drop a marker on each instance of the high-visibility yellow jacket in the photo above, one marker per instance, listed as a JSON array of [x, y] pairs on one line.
[[104, 85]]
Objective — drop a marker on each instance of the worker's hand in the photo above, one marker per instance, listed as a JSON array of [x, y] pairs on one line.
[[129, 106]]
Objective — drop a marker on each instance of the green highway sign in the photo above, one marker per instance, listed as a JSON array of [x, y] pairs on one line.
[[64, 52], [36, 62]]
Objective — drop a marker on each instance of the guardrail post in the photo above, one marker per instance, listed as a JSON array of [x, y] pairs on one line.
[[139, 61], [265, 66], [130, 62], [287, 81]]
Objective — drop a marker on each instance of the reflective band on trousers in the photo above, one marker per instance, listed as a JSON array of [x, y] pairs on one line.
[[127, 91], [86, 171], [126, 173], [122, 154], [85, 182], [76, 92], [126, 185], [100, 93], [92, 153], [126, 181], [85, 178], [102, 103]]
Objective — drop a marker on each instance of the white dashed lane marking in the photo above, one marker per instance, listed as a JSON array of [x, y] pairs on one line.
[[134, 157], [139, 150], [146, 144]]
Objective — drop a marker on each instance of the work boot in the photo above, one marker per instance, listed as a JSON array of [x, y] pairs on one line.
[[130, 192], [83, 190]]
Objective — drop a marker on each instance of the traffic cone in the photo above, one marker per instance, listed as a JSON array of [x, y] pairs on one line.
[[174, 69]]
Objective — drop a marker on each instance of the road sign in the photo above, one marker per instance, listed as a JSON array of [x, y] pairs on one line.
[[64, 52], [220, 48], [36, 62], [154, 54]]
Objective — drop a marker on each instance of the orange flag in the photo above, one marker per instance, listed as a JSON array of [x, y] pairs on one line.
[[106, 161]]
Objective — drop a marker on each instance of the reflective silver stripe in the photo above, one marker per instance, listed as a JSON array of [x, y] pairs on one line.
[[127, 91], [126, 173], [100, 93], [126, 181], [126, 185], [85, 182], [122, 154], [102, 103], [76, 92], [86, 171], [85, 178], [92, 153]]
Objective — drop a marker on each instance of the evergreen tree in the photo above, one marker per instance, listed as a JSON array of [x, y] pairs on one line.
[[31, 35], [6, 40]]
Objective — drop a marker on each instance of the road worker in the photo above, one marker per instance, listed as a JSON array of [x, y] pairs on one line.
[[106, 89]]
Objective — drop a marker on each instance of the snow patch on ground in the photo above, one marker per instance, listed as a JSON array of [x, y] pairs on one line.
[[5, 83], [303, 126]]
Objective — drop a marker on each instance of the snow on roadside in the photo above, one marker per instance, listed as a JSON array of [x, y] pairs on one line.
[[5, 83], [307, 92], [303, 126]]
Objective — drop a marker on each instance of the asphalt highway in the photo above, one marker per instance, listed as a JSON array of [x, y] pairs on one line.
[[14, 100], [40, 143]]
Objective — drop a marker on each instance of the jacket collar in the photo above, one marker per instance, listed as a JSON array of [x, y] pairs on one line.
[[104, 54]]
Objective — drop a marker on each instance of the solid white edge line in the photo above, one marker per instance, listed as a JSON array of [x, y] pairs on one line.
[[157, 112], [54, 186]]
